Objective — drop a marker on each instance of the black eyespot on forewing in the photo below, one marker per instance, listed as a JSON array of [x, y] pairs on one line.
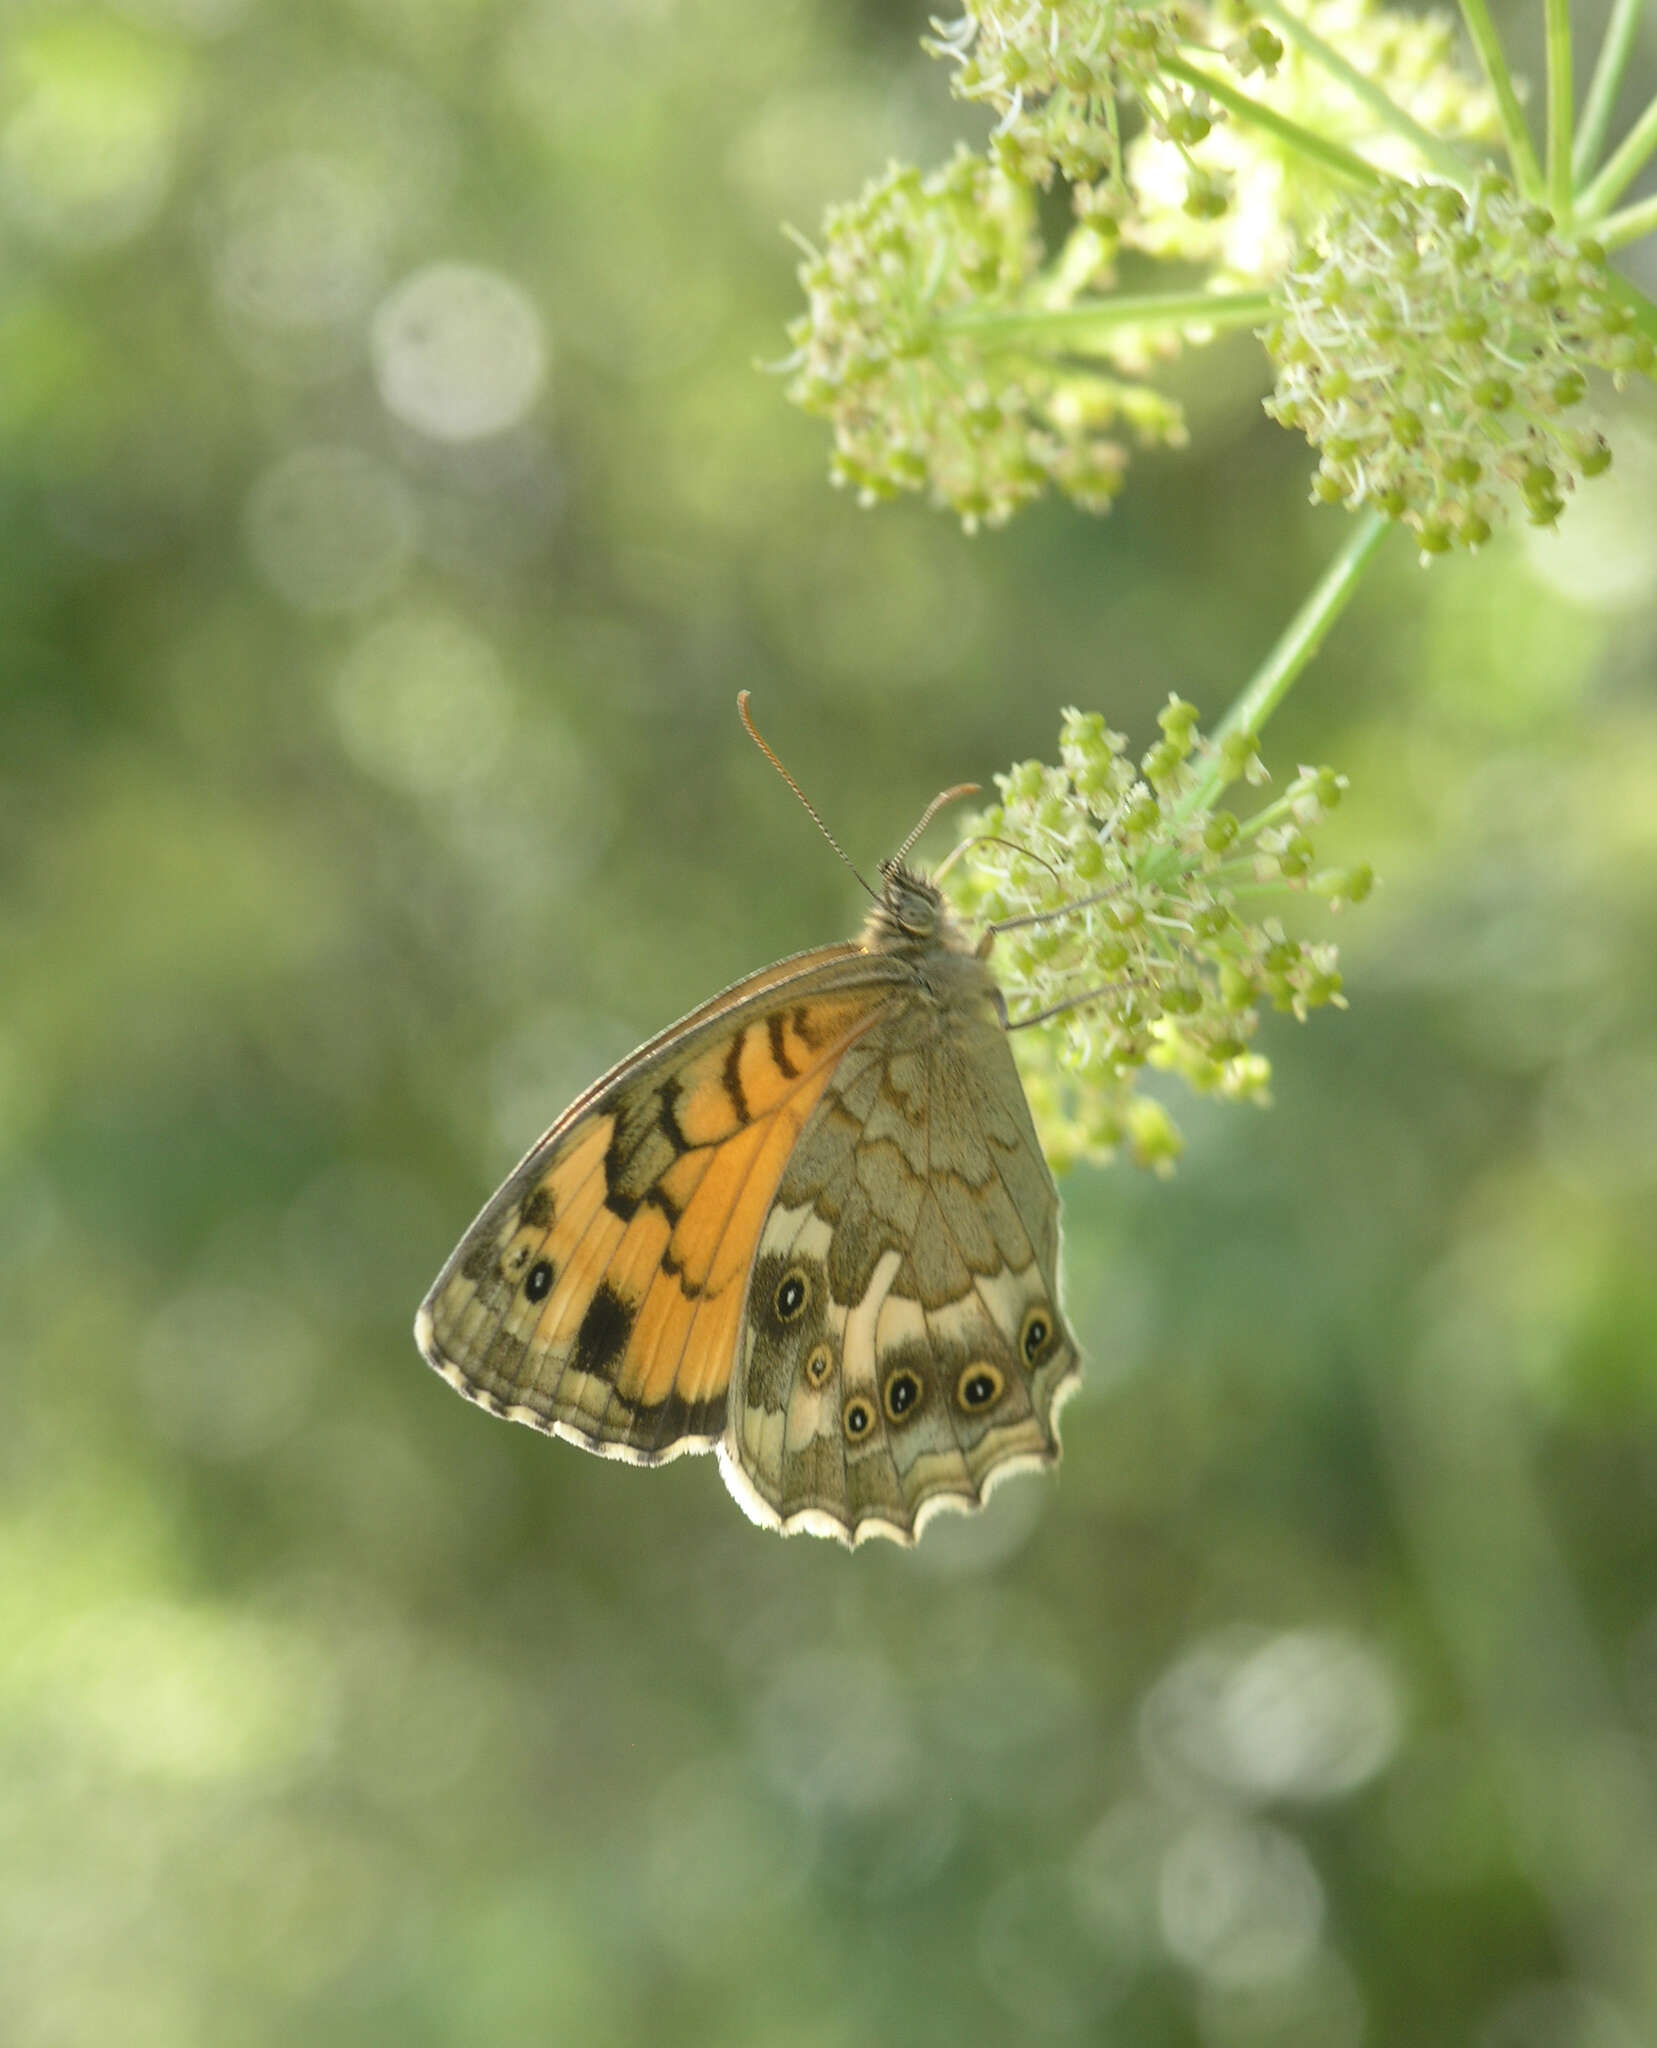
[[538, 1281]]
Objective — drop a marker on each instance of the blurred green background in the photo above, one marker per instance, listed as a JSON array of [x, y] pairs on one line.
[[392, 510]]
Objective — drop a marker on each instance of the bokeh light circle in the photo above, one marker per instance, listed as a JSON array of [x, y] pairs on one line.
[[460, 353], [330, 529]]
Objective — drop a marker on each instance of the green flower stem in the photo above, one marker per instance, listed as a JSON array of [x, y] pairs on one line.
[[1617, 230], [1297, 644], [1072, 325], [1270, 892], [1624, 167], [1560, 88], [1441, 154], [1621, 32], [1306, 141], [1482, 29]]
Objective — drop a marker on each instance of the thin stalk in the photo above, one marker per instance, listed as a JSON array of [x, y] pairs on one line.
[[1557, 16], [1344, 162], [1443, 155], [1296, 645], [1617, 230], [1610, 69], [1476, 15], [1625, 165], [1107, 316]]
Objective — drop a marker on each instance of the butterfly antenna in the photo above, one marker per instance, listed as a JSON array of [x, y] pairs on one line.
[[990, 839], [944, 796], [809, 806]]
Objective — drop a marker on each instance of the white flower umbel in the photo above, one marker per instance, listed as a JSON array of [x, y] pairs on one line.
[[914, 346], [1433, 346], [1139, 915]]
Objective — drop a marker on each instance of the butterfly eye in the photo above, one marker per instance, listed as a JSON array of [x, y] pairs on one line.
[[859, 1418], [1032, 1338], [539, 1284], [791, 1295], [978, 1387], [903, 1394], [819, 1364]]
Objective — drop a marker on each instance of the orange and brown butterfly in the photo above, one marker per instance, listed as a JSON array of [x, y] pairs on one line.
[[809, 1228]]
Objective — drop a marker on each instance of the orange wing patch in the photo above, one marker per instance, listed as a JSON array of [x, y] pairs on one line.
[[698, 1292], [711, 1250], [743, 1076], [605, 1294]]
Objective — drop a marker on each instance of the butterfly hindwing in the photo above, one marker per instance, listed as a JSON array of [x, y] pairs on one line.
[[904, 1343]]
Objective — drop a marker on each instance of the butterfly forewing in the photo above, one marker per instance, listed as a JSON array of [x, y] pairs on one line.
[[600, 1293]]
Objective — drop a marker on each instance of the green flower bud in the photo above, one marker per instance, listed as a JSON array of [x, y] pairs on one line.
[[1178, 720], [1240, 754]]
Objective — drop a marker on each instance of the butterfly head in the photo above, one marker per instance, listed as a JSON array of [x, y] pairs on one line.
[[910, 915]]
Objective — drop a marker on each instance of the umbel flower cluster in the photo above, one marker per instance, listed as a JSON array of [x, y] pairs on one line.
[[895, 350], [1270, 193], [1056, 71], [1131, 908], [1127, 101], [959, 350], [1431, 346]]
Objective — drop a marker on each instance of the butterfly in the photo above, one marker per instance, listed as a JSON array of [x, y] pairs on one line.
[[809, 1227]]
